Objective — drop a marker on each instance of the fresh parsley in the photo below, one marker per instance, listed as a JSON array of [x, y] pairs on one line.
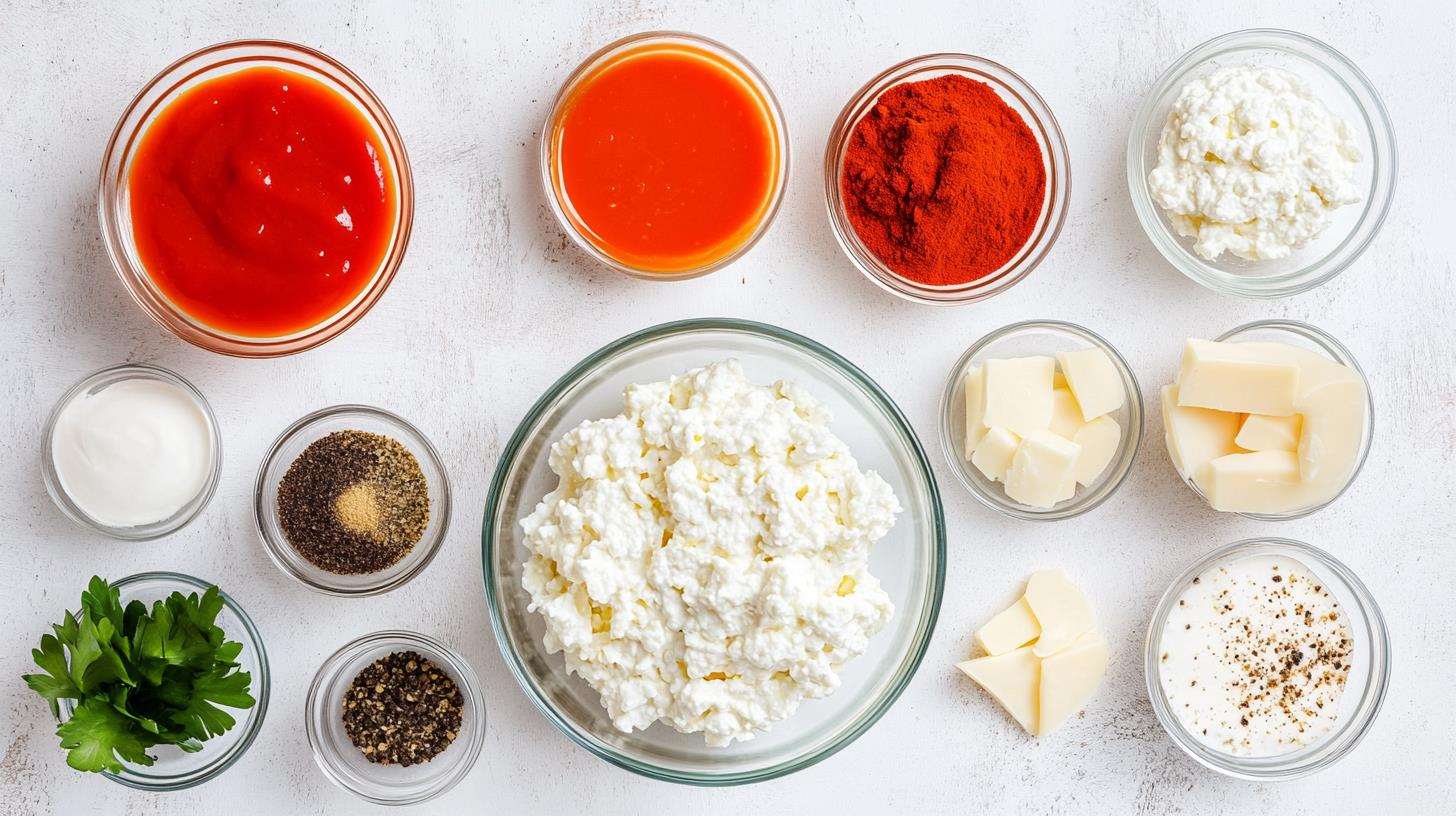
[[140, 677]]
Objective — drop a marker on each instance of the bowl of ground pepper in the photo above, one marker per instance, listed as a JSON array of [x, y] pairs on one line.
[[395, 718], [947, 179], [352, 501]]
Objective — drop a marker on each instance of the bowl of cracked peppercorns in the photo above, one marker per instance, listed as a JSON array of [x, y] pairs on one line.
[[352, 501], [395, 717]]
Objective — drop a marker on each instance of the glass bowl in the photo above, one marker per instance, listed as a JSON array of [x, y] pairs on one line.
[[1364, 689], [909, 561], [114, 196], [306, 431], [746, 73], [99, 381], [1346, 91], [346, 766], [1046, 337], [1023, 99], [176, 769], [1305, 336]]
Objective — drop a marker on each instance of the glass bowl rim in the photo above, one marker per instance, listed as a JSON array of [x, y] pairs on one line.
[[930, 607], [262, 685], [1374, 691], [778, 124], [1092, 499], [275, 548], [143, 532], [1043, 124], [328, 675], [1374, 114], [118, 151]]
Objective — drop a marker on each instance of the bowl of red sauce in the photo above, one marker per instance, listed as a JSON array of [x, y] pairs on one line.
[[946, 179], [256, 198], [665, 155]]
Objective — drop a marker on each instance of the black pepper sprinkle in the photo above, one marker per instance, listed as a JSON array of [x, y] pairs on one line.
[[354, 502], [402, 710]]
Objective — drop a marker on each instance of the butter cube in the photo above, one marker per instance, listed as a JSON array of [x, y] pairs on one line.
[[1043, 471], [993, 455], [1066, 414], [975, 385], [1060, 608], [1013, 627], [1069, 678], [1227, 377], [1261, 432], [1196, 436], [1099, 440], [1094, 380], [1259, 482], [1014, 679], [1019, 394]]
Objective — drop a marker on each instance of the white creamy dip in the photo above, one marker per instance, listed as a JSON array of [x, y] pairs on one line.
[[1254, 657], [1251, 162], [704, 559], [134, 453]]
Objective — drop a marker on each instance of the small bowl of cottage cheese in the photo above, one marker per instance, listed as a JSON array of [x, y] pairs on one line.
[[1262, 163]]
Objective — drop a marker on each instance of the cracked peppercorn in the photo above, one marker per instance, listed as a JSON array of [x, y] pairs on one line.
[[402, 710]]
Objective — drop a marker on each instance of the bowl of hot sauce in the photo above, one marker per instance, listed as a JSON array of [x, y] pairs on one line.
[[665, 155], [256, 198]]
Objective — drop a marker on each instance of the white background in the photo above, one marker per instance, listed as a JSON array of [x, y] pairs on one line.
[[492, 305]]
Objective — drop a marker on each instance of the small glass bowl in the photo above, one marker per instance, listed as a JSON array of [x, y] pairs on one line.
[[176, 769], [1045, 337], [1345, 90], [1303, 335], [1023, 99], [114, 193], [346, 766], [292, 442], [99, 381], [1364, 688], [649, 40]]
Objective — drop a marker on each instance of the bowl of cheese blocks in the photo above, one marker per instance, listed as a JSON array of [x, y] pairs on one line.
[[1041, 420], [1272, 420]]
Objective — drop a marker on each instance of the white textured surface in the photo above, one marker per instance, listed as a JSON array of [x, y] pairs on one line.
[[492, 305]]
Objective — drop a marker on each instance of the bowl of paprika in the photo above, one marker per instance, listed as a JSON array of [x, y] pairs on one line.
[[946, 179]]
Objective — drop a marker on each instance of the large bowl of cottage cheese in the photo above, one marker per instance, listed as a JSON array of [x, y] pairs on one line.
[[1262, 163], [713, 552]]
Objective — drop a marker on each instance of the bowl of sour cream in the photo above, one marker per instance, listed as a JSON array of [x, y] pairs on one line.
[[132, 451]]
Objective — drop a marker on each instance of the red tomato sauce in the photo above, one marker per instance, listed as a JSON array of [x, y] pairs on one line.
[[262, 202], [666, 158]]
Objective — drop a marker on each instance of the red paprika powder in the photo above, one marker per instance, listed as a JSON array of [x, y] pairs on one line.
[[942, 180]]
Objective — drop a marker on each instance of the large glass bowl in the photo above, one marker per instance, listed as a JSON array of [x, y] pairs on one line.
[[910, 561]]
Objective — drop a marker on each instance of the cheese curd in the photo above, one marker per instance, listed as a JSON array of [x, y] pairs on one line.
[[1251, 162], [704, 558]]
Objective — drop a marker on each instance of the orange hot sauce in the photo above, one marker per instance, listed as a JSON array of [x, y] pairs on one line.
[[262, 202], [666, 158]]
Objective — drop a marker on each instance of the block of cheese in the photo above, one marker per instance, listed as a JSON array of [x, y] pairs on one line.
[[1068, 680], [1066, 414], [993, 455], [1330, 436], [1094, 380], [1230, 377], [1014, 679], [1019, 393], [1043, 471], [1099, 440], [975, 385], [1060, 608], [1196, 436], [1260, 432], [1013, 627], [1258, 482]]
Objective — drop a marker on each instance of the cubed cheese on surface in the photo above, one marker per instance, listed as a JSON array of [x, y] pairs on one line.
[[975, 385], [1260, 432], [1060, 608], [1066, 414], [1196, 436], [993, 455], [1014, 679], [1094, 380], [1228, 377], [1069, 678], [1043, 471], [1099, 440], [1013, 627], [1258, 482], [1019, 393]]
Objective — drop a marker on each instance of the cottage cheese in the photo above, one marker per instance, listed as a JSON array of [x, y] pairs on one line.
[[704, 559], [1251, 162]]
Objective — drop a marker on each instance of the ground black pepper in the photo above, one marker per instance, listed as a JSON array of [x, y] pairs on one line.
[[354, 502], [402, 710]]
